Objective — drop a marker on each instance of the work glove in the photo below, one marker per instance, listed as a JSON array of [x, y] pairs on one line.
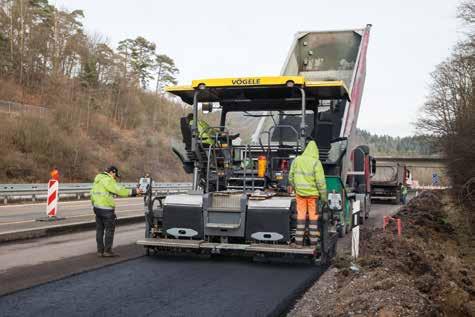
[[136, 192]]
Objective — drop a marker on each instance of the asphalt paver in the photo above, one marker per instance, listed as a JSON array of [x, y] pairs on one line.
[[168, 286]]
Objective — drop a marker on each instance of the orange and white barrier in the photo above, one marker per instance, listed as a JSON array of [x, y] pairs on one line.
[[386, 221], [52, 202]]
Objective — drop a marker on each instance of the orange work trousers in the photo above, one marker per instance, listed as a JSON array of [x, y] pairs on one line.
[[307, 205]]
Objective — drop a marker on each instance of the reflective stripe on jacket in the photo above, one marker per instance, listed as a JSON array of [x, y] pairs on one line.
[[103, 189], [205, 132], [306, 173]]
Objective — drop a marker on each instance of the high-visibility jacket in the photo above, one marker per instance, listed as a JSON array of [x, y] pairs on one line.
[[404, 190], [306, 174], [205, 132], [103, 188]]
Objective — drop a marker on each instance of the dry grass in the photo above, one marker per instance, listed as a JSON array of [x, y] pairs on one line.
[[81, 144]]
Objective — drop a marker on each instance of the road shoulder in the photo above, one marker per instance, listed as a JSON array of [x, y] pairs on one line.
[[320, 295], [426, 270]]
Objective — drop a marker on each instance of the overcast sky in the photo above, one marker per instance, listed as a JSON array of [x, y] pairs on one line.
[[250, 38]]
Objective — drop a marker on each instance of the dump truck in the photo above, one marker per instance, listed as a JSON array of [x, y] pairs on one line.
[[387, 181], [239, 203]]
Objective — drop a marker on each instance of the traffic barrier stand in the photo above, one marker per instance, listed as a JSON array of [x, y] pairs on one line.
[[355, 230], [386, 221], [52, 200]]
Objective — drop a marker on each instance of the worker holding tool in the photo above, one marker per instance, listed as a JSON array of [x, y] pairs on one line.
[[307, 179], [104, 187]]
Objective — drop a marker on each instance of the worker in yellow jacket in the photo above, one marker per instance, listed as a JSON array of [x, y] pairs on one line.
[[307, 178], [102, 198], [205, 132]]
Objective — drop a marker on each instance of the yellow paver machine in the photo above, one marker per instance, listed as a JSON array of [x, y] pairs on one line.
[[239, 203]]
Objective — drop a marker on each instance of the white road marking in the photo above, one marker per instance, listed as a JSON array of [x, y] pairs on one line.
[[89, 206], [69, 203], [77, 216]]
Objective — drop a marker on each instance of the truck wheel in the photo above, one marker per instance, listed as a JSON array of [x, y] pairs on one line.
[[326, 257], [323, 261], [397, 201], [361, 217], [333, 250], [340, 230]]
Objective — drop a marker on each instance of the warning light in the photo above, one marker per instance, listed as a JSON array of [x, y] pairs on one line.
[[55, 174]]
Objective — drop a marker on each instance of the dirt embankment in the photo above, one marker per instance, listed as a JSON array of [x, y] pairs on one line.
[[428, 272]]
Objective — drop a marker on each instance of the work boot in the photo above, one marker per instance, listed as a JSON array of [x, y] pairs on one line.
[[109, 254]]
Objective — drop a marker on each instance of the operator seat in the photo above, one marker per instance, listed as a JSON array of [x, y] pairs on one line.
[[324, 134], [186, 132], [186, 138]]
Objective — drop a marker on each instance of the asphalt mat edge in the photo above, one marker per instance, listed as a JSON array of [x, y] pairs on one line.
[[288, 303], [60, 277]]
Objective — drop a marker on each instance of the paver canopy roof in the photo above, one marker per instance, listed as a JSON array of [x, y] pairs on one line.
[[249, 89]]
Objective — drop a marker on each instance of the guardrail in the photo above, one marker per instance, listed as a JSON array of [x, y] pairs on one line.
[[15, 107], [78, 190]]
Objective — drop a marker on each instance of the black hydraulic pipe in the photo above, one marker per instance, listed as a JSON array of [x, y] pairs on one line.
[[194, 133], [302, 123]]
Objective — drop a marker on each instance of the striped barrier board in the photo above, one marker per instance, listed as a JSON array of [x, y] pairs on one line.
[[52, 202], [355, 231]]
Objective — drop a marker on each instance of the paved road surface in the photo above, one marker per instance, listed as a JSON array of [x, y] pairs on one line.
[[146, 285], [10, 214], [14, 218], [36, 251], [166, 287]]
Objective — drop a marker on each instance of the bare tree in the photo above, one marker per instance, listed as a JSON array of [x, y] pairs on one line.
[[450, 100], [449, 112]]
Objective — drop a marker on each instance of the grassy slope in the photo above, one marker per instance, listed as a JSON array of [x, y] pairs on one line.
[[30, 145]]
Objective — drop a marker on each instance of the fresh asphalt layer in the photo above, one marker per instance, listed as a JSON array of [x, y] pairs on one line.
[[168, 286]]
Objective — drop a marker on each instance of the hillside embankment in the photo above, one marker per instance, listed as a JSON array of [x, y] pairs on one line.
[[429, 271], [81, 139]]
